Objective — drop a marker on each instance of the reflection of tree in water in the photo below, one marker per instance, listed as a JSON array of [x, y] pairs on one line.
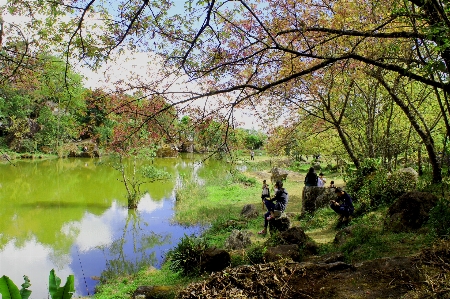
[[123, 261]]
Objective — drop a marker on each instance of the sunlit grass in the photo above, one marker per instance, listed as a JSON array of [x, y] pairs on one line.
[[204, 203], [123, 287], [218, 200]]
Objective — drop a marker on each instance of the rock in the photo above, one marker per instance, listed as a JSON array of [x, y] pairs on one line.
[[5, 157], [410, 211], [342, 235], [238, 240], [282, 252], [333, 258], [316, 166], [413, 174], [153, 292], [187, 147], [294, 235], [249, 211], [167, 151], [314, 198], [214, 259], [281, 224], [278, 174]]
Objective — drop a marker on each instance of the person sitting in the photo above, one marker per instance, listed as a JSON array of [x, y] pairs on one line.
[[311, 178], [332, 185], [343, 205], [321, 180], [281, 198]]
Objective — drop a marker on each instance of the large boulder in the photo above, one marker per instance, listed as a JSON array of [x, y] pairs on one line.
[[282, 252], [166, 151], [249, 211], [238, 240], [278, 174], [187, 147], [214, 259], [316, 166], [410, 211], [314, 198], [294, 235], [281, 224], [413, 175]]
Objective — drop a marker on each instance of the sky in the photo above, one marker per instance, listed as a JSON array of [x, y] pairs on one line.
[[135, 67]]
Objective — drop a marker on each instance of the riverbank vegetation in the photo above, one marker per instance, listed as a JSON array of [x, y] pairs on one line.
[[227, 194]]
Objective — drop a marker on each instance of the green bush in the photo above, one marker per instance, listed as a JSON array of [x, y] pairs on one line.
[[379, 187], [355, 178], [240, 178], [439, 220], [186, 256], [255, 254], [365, 242]]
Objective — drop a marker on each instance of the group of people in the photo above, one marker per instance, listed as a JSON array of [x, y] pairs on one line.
[[276, 205], [312, 179], [344, 203]]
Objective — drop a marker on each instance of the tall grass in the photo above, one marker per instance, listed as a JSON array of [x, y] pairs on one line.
[[204, 202]]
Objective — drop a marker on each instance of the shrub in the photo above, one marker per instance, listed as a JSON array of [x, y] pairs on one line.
[[380, 187], [186, 256], [439, 220], [365, 243], [255, 254], [240, 178]]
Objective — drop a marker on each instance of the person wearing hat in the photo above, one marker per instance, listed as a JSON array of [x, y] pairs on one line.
[[343, 205], [321, 180]]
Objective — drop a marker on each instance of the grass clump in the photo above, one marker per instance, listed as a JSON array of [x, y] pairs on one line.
[[321, 219], [366, 239], [186, 256], [374, 186], [439, 221], [122, 287], [238, 177]]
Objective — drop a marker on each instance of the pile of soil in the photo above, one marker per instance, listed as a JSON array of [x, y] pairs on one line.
[[424, 275]]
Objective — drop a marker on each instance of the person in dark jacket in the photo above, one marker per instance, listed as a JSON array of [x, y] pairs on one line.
[[281, 198], [311, 178], [343, 205]]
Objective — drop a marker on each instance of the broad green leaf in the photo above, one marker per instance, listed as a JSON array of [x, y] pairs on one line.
[[58, 292], [8, 289]]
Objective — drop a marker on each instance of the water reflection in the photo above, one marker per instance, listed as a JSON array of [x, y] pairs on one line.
[[73, 218]]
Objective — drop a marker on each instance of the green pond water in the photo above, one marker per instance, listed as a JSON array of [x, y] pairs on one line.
[[70, 215]]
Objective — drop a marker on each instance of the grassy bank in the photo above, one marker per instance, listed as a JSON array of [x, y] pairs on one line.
[[219, 199]]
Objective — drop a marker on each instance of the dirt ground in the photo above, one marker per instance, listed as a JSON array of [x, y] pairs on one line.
[[424, 275]]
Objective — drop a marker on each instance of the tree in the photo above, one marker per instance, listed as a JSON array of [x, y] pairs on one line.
[[41, 105], [253, 53]]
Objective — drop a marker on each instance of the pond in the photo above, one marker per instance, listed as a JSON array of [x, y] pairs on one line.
[[70, 215]]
